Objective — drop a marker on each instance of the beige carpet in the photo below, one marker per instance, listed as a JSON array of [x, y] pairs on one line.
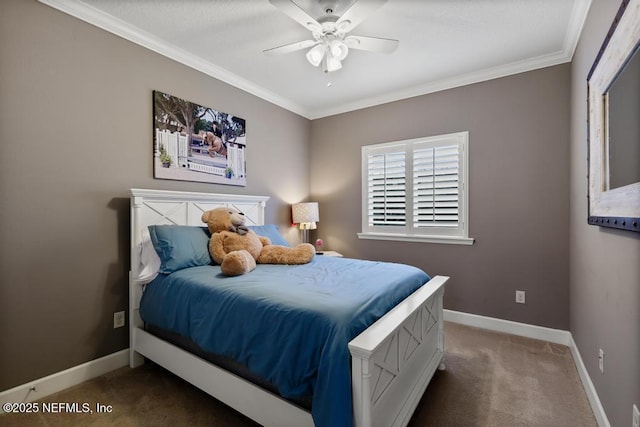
[[495, 379], [492, 379]]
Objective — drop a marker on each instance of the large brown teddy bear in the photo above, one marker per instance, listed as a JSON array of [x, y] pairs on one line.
[[237, 249]]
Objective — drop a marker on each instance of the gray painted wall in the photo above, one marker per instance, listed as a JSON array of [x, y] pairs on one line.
[[75, 135], [518, 202], [604, 263]]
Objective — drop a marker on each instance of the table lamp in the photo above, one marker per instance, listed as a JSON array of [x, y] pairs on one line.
[[305, 215]]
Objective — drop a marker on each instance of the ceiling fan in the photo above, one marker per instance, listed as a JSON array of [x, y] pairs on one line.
[[331, 41]]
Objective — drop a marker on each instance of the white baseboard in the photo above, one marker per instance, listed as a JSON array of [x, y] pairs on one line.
[[590, 390], [37, 389], [557, 336]]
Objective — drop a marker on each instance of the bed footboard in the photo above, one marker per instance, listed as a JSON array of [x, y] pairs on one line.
[[395, 358]]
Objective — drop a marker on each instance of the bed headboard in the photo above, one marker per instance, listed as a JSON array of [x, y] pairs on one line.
[[153, 207]]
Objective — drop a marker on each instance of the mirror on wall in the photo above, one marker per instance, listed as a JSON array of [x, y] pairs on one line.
[[613, 94], [623, 126]]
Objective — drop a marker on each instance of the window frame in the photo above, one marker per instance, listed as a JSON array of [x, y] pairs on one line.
[[435, 234]]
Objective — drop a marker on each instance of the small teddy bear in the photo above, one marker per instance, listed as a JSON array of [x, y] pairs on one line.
[[237, 248]]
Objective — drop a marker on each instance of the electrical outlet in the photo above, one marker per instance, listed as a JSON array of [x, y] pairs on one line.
[[636, 416], [520, 297], [601, 360], [118, 319]]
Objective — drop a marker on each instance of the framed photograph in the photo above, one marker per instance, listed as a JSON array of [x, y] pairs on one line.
[[613, 93], [196, 143]]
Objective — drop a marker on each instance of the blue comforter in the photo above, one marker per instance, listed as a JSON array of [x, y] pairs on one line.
[[288, 324]]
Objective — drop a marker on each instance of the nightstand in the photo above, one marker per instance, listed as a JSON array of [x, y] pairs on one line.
[[331, 253]]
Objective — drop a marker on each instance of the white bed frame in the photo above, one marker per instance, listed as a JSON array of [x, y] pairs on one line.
[[392, 361]]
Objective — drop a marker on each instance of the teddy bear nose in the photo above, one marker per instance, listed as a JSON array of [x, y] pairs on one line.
[[240, 213]]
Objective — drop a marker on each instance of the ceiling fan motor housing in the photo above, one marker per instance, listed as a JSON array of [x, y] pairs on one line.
[[329, 6]]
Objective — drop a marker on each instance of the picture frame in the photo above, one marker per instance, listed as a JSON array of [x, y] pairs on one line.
[[196, 143], [610, 203]]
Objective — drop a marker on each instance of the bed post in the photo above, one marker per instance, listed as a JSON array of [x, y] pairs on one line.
[[263, 204], [135, 288], [361, 388], [441, 336]]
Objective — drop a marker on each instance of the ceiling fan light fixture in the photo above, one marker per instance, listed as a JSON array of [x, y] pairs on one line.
[[331, 42], [333, 63], [339, 49], [315, 54]]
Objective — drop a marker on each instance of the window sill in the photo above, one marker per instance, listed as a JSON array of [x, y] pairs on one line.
[[449, 240]]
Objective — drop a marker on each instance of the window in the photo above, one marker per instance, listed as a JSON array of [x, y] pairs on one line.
[[416, 190]]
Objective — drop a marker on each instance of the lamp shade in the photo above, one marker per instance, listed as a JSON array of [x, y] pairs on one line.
[[305, 214], [333, 63], [339, 49], [315, 54]]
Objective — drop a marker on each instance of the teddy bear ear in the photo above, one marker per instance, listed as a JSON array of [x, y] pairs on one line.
[[205, 217]]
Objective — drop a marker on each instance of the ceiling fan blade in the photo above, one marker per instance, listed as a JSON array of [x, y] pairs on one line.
[[357, 13], [290, 47], [372, 44], [297, 14]]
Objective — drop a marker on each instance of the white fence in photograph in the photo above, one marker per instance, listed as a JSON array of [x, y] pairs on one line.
[[235, 159], [177, 147]]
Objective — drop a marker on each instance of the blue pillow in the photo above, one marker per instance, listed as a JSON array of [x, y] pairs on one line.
[[180, 246], [270, 231]]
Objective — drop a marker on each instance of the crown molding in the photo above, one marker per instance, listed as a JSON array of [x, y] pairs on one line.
[[579, 15], [448, 83], [572, 36], [109, 23], [96, 17]]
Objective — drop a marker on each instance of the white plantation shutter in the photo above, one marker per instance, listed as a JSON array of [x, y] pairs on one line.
[[387, 192], [435, 186], [416, 188]]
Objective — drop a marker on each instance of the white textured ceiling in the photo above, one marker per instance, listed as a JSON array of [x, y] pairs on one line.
[[443, 44]]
